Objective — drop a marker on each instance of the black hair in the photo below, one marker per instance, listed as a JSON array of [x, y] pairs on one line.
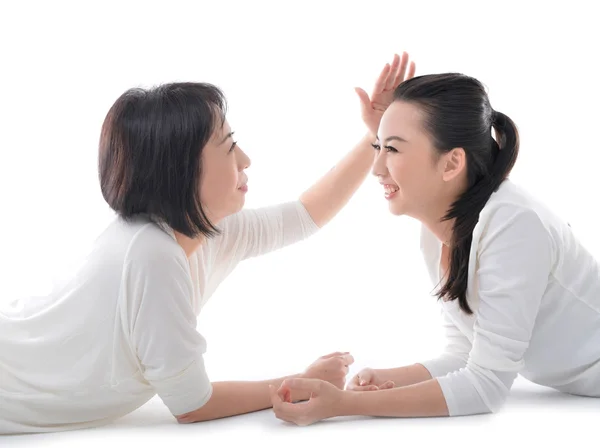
[[458, 114], [150, 153]]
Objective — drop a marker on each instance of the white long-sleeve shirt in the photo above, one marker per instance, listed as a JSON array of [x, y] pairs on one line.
[[124, 327], [535, 293]]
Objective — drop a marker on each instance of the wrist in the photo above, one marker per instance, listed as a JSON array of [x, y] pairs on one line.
[[299, 395], [369, 138], [348, 403]]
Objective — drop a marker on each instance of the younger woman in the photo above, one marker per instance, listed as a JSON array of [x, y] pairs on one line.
[[518, 292]]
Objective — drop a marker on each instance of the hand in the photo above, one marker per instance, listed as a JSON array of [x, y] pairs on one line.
[[372, 109], [368, 379], [332, 368], [325, 401]]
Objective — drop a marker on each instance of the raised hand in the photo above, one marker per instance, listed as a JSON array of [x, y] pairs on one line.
[[391, 76]]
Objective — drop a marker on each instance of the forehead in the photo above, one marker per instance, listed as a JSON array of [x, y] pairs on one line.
[[219, 132], [402, 119]]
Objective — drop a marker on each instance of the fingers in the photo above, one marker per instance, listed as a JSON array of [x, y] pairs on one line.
[[286, 411], [285, 394], [336, 354], [301, 385], [390, 82], [400, 73], [362, 381], [382, 80], [340, 365], [275, 395], [294, 413], [339, 359], [411, 70], [356, 388], [365, 101], [347, 359], [365, 378]]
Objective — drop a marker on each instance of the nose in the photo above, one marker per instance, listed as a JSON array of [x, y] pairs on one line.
[[242, 159], [379, 168]]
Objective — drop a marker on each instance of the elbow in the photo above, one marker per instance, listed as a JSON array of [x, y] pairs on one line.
[[185, 418], [497, 404], [199, 415]]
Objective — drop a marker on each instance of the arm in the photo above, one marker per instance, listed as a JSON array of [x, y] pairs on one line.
[[424, 399], [255, 232], [515, 260], [455, 357], [240, 397], [234, 398], [514, 264], [332, 192], [456, 352], [405, 375], [170, 350]]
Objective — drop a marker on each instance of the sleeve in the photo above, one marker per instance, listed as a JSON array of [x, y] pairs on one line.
[[456, 353], [254, 232], [515, 260], [164, 336]]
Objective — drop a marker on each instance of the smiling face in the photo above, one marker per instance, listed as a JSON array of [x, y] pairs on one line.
[[417, 178], [223, 182]]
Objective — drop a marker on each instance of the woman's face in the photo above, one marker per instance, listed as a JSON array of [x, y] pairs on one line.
[[414, 175], [223, 184]]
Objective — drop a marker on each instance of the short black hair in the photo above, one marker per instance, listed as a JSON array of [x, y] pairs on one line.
[[150, 153]]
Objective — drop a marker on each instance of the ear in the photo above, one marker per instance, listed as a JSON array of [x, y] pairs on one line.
[[454, 163]]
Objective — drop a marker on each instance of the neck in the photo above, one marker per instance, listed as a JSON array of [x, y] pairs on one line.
[[189, 245], [433, 220]]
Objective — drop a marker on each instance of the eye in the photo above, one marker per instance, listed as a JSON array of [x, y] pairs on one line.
[[233, 145], [375, 146], [390, 149]]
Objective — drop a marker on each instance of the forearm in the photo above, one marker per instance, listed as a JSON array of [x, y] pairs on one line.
[[404, 376], [424, 399], [231, 398], [333, 191]]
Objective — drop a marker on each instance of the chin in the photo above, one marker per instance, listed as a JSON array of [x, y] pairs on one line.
[[240, 205], [397, 209]]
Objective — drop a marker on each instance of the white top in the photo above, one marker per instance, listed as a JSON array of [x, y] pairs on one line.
[[124, 327], [535, 293]]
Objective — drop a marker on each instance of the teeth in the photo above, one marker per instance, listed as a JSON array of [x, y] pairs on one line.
[[389, 189]]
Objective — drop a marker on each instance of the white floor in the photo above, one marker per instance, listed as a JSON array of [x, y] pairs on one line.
[[532, 417]]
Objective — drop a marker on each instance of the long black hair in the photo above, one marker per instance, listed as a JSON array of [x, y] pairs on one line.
[[458, 114]]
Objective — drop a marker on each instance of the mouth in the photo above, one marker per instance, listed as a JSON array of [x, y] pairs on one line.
[[390, 190], [243, 188]]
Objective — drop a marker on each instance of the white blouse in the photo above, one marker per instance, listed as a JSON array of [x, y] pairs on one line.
[[535, 293], [123, 328]]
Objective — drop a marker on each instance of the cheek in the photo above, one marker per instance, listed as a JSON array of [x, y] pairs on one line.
[[402, 170], [413, 175], [219, 176]]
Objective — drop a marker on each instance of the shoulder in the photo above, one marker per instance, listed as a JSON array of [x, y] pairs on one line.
[[151, 245], [511, 212]]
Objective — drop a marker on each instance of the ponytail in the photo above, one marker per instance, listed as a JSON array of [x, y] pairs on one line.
[[466, 209]]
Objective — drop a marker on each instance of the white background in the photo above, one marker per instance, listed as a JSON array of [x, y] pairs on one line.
[[288, 70]]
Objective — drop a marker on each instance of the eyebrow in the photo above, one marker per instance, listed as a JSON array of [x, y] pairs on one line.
[[394, 137], [226, 137]]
